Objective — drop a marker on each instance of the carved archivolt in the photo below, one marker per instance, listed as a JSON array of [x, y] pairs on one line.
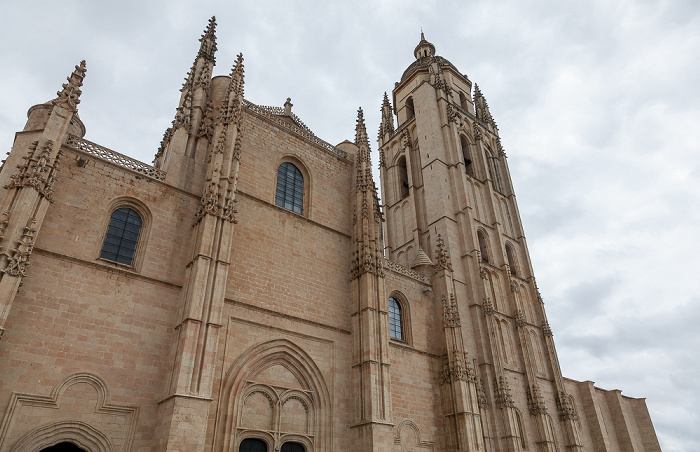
[[76, 432], [26, 407], [415, 443], [302, 414]]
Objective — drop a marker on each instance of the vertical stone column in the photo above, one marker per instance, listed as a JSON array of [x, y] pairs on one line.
[[30, 190], [459, 377], [185, 410], [373, 411]]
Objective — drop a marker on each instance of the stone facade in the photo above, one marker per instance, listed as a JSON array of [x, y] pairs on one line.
[[238, 320]]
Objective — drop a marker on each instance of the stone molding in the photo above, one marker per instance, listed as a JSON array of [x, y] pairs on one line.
[[407, 423], [401, 270], [122, 160], [275, 114], [73, 430], [76, 432]]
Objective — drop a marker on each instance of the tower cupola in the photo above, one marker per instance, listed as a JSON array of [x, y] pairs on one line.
[[424, 48]]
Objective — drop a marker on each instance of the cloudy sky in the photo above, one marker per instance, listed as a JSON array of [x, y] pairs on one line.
[[598, 105]]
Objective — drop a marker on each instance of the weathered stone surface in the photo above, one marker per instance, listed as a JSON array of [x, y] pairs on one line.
[[239, 318]]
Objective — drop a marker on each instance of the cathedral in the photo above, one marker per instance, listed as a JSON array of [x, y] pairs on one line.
[[253, 291]]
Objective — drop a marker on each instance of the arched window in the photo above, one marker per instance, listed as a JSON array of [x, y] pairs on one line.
[[482, 246], [403, 177], [395, 327], [410, 111], [468, 167], [122, 236], [293, 447], [252, 445], [290, 188], [510, 253]]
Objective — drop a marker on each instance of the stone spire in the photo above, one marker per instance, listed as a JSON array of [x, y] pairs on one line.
[[233, 98], [482, 108], [190, 112], [387, 125], [30, 190], [192, 379], [224, 162], [205, 59], [368, 216], [371, 359], [69, 96]]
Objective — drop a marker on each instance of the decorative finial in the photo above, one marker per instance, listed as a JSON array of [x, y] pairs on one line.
[[387, 124], [424, 48], [208, 47], [237, 75], [69, 96], [361, 130]]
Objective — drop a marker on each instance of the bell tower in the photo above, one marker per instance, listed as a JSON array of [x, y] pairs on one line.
[[447, 194]]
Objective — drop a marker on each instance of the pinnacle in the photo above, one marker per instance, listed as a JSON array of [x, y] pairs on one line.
[[237, 76], [386, 103], [208, 47], [361, 130], [69, 96]]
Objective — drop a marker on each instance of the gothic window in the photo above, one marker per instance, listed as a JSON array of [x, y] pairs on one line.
[[122, 236], [403, 177], [510, 253], [468, 167], [481, 237], [290, 188], [293, 447], [252, 445], [395, 324]]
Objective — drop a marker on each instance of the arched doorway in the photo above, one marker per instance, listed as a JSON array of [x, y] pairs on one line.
[[64, 447], [293, 447], [252, 445]]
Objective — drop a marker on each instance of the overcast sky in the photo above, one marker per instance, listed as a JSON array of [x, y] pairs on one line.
[[597, 102]]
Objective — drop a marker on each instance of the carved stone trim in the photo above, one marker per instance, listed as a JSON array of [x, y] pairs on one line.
[[275, 114], [546, 330], [503, 396], [450, 312], [19, 259], [38, 171], [115, 157], [76, 430], [443, 256], [400, 269], [566, 409], [535, 401], [488, 306]]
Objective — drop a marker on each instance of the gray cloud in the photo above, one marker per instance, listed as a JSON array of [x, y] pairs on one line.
[[597, 105]]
